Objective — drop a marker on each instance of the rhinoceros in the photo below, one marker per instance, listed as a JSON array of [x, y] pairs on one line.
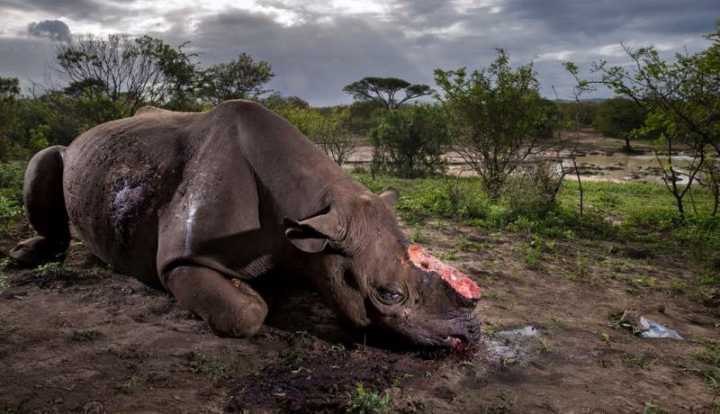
[[204, 204]]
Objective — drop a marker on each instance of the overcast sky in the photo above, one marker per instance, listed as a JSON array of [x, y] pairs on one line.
[[317, 47]]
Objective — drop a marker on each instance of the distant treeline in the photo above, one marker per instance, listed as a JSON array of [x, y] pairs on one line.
[[110, 78]]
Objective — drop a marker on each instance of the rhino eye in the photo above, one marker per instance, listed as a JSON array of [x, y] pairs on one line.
[[389, 297]]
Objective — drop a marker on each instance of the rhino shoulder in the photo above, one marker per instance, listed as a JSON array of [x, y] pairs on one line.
[[236, 107], [154, 110]]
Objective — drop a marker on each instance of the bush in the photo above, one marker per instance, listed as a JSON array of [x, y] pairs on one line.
[[498, 118], [410, 142], [329, 129], [533, 191], [11, 181], [447, 198], [582, 112], [365, 401], [619, 118]]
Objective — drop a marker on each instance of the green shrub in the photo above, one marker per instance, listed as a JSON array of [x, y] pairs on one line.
[[365, 401], [619, 118], [11, 181], [533, 192], [446, 198], [410, 142]]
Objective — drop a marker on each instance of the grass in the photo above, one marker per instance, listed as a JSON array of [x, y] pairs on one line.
[[51, 269], [211, 367], [4, 283], [134, 383], [364, 401], [89, 335], [710, 355], [633, 212], [651, 408]]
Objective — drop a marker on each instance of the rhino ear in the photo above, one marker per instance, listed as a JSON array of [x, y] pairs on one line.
[[314, 233], [390, 197]]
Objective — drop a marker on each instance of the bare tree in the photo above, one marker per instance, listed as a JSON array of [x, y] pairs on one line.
[[136, 71]]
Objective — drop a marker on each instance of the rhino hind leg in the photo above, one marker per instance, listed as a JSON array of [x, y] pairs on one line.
[[234, 310], [45, 207]]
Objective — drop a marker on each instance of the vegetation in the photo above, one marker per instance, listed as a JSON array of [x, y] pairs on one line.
[[497, 118], [131, 71], [365, 401], [242, 78], [628, 212], [385, 91], [680, 97], [494, 117], [619, 118], [328, 129], [410, 142]]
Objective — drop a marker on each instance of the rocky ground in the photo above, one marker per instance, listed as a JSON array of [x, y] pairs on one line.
[[79, 338]]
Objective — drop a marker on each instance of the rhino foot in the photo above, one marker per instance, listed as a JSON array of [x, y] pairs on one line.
[[231, 309], [37, 251]]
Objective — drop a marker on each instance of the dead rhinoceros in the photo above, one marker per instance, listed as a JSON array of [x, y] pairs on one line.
[[188, 201]]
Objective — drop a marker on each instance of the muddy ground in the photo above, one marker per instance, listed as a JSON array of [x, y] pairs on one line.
[[82, 339], [599, 158]]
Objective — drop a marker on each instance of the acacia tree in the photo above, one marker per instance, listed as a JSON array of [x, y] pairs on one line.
[[385, 91], [133, 71], [682, 100], [243, 78], [497, 116]]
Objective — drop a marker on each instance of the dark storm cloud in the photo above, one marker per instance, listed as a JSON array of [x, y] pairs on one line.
[[319, 54], [76, 9], [52, 29], [100, 11], [428, 13], [601, 17], [314, 60]]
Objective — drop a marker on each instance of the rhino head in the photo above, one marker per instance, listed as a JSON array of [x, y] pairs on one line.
[[363, 265]]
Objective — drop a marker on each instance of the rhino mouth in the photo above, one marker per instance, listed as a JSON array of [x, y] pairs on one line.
[[464, 334]]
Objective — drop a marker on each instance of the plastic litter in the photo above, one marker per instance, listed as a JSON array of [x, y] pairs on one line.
[[652, 329], [512, 346]]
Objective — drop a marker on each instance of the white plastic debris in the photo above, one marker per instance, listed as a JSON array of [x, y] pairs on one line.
[[652, 329], [512, 346]]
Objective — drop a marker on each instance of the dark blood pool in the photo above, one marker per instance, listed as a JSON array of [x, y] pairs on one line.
[[457, 279]]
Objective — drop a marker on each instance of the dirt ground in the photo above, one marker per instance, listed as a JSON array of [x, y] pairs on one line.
[[81, 339]]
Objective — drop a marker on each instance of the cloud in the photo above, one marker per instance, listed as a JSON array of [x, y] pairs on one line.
[[318, 46], [52, 29], [314, 60], [75, 9]]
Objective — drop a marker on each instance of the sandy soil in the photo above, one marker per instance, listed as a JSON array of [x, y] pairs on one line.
[[86, 340]]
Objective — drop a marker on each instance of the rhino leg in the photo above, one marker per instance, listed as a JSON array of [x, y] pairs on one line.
[[229, 309], [45, 208]]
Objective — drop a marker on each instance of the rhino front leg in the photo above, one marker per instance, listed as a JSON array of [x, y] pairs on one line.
[[230, 310]]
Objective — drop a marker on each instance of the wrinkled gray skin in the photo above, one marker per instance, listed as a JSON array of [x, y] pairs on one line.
[[188, 201]]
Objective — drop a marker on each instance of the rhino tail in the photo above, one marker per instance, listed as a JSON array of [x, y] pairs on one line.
[[44, 201]]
